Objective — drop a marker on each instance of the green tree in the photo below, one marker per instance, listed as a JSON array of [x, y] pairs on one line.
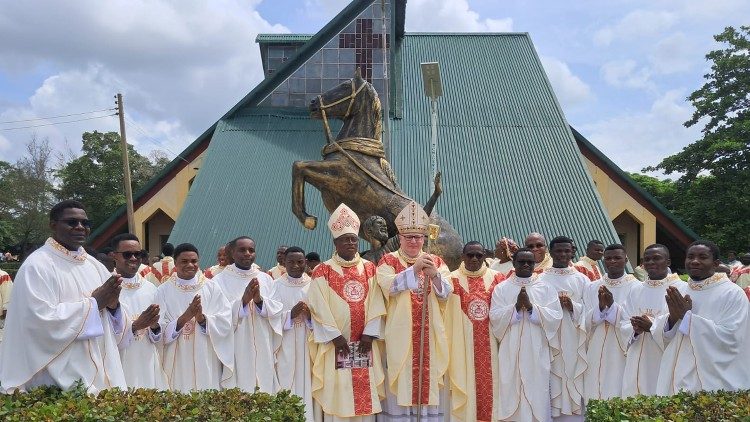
[[666, 191], [96, 177], [715, 169], [26, 195]]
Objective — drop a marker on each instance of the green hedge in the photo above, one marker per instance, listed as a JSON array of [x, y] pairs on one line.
[[683, 407], [52, 404]]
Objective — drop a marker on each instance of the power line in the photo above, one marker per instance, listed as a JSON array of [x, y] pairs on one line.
[[55, 117], [151, 140], [59, 123]]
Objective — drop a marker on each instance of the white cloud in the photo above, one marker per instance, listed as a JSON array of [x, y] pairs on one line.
[[450, 15], [179, 65], [637, 140], [626, 74], [638, 24], [570, 90], [675, 53]]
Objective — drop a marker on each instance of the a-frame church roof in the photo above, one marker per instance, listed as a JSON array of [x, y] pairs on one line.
[[509, 159]]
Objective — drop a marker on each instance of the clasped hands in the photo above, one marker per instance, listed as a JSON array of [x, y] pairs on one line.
[[252, 292], [677, 304], [108, 294], [522, 301], [148, 318], [425, 263], [194, 310]]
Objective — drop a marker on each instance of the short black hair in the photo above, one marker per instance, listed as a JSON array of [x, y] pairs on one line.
[[233, 243], [713, 247], [594, 242], [313, 256], [521, 250], [614, 247], [294, 249], [144, 253], [106, 250], [658, 246], [560, 239], [56, 212], [168, 249], [121, 238], [185, 247], [472, 243]]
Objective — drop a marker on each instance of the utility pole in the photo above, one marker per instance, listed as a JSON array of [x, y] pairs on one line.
[[125, 165]]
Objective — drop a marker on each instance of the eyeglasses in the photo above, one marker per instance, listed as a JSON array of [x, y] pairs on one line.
[[74, 222], [475, 255], [130, 255], [412, 237], [348, 239]]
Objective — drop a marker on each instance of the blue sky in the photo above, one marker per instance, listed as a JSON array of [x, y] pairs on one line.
[[620, 69]]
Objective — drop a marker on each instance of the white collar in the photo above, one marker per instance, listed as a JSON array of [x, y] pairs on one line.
[[182, 282]]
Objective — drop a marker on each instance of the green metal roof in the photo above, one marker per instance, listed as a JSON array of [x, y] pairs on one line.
[[283, 38], [509, 160], [244, 186]]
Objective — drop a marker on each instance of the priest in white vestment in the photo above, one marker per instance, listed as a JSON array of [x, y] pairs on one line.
[[293, 364], [256, 320], [568, 366], [707, 330], [403, 276], [644, 303], [64, 319], [525, 316], [140, 348], [197, 323], [347, 310], [607, 343]]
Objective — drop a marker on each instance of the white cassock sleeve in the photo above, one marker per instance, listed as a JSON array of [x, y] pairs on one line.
[[92, 327]]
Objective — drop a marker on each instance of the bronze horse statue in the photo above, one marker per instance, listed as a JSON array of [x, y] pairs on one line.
[[354, 170]]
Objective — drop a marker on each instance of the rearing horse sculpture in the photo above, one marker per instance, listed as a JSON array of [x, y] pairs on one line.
[[354, 170]]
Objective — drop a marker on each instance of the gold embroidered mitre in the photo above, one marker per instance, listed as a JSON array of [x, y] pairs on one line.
[[412, 220], [343, 221]]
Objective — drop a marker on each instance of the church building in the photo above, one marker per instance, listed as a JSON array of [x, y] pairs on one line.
[[510, 161]]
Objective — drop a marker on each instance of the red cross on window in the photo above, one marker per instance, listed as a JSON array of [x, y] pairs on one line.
[[364, 41]]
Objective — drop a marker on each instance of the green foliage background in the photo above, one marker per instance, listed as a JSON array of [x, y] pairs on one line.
[[711, 195]]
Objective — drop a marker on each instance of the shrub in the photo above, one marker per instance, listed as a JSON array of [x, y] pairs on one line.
[[53, 404], [682, 407]]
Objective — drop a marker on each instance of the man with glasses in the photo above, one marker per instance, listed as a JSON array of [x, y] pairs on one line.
[[404, 276], [538, 245], [65, 318], [139, 348], [473, 353], [347, 310], [525, 315]]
